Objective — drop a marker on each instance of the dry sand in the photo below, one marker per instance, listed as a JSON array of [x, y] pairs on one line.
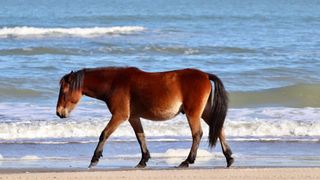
[[173, 174]]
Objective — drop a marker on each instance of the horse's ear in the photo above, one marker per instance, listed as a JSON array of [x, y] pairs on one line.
[[70, 76]]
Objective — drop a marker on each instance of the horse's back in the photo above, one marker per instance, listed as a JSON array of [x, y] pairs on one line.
[[178, 82], [162, 95]]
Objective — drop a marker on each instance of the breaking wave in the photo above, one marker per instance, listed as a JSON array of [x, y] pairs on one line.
[[25, 31], [32, 124]]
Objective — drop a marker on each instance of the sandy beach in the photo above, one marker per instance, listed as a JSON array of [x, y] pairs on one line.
[[170, 174], [266, 54]]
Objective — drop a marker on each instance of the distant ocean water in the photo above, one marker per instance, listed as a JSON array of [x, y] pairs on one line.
[[266, 52]]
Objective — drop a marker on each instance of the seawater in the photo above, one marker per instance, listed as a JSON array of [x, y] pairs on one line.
[[266, 53]]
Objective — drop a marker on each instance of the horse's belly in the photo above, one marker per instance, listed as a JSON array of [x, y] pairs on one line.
[[163, 113]]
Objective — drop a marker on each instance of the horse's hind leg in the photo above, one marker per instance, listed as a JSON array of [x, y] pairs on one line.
[[224, 145], [226, 149], [196, 130], [105, 134], [138, 129]]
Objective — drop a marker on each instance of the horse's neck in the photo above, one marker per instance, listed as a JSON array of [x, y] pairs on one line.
[[96, 84]]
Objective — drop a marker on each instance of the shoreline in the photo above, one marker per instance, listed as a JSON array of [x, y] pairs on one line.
[[239, 173], [120, 169]]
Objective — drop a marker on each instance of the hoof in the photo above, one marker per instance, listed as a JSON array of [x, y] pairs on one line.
[[184, 164], [141, 165], [230, 162], [93, 164]]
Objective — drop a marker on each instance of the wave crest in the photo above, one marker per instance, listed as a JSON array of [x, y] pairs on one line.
[[259, 124], [25, 31]]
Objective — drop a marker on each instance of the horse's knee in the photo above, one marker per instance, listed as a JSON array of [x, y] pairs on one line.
[[197, 136], [102, 136], [200, 133]]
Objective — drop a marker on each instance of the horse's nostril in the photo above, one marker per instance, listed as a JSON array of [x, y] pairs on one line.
[[60, 115]]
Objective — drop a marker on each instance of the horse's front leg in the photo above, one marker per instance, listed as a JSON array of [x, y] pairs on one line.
[[105, 134]]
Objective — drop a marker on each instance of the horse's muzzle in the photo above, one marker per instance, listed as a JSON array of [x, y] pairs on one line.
[[62, 113]]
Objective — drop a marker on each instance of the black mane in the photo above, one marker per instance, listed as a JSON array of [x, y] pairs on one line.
[[74, 79]]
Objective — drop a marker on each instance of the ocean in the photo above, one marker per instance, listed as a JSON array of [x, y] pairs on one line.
[[267, 53]]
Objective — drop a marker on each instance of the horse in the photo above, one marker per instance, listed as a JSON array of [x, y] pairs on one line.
[[131, 94]]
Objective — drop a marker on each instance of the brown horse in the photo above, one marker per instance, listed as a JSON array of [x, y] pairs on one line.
[[131, 94]]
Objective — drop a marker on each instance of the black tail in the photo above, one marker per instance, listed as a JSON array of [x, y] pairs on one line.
[[219, 108]]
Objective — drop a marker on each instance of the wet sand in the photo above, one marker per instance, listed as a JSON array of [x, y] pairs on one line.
[[168, 174]]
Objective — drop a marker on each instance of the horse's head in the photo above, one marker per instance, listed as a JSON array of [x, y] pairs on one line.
[[70, 93]]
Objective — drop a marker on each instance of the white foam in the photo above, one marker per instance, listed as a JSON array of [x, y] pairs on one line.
[[172, 153], [175, 153], [25, 122], [25, 32], [30, 158], [175, 156], [274, 122]]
